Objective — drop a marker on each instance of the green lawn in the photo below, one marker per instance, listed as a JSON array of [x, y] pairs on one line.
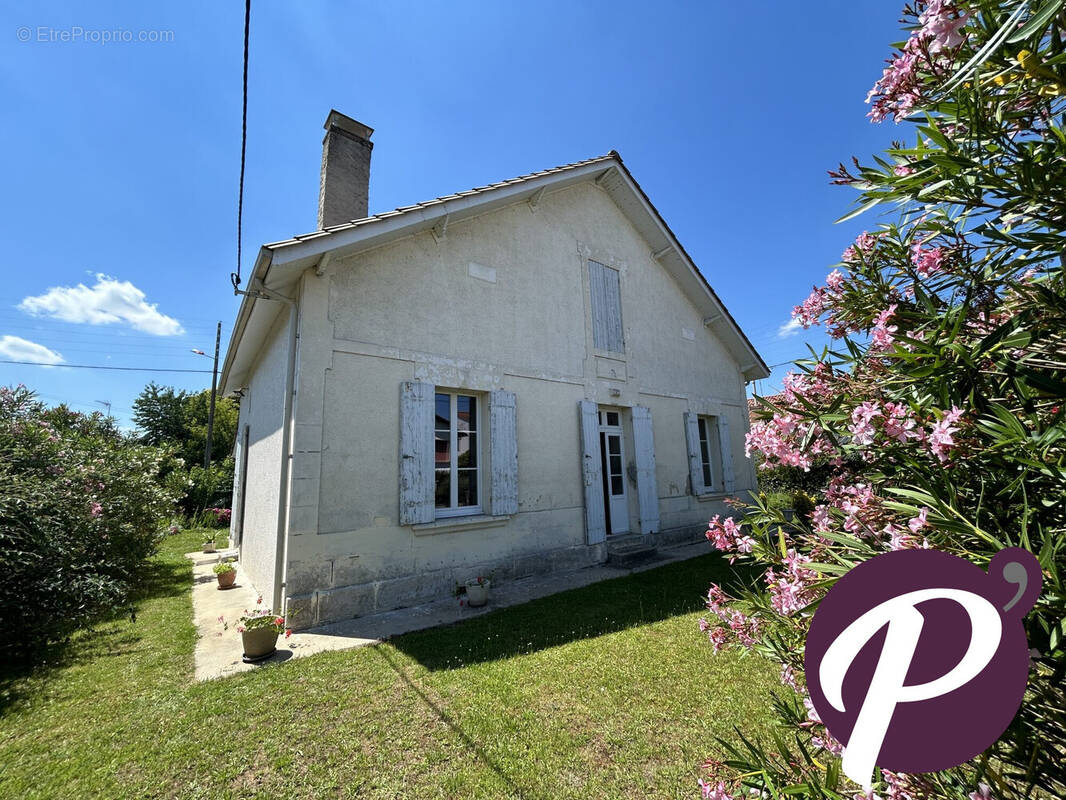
[[606, 691]]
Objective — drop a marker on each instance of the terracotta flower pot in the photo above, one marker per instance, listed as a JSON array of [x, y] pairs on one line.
[[259, 643], [477, 594], [226, 579]]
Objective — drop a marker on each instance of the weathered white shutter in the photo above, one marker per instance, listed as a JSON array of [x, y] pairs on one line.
[[606, 302], [695, 456], [591, 472], [647, 490], [417, 476], [726, 444], [503, 441]]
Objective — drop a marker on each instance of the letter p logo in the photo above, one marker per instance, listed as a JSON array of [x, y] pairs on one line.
[[916, 660]]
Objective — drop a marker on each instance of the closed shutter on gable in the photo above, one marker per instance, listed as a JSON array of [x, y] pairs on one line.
[[503, 441], [726, 443], [606, 301], [591, 473], [695, 457], [647, 489], [416, 453]]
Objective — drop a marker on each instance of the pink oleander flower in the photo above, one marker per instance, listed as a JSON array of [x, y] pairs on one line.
[[898, 538], [96, 509], [716, 599], [899, 423], [714, 792], [883, 335], [902, 170], [927, 261], [899, 89], [918, 523], [941, 28], [718, 638], [862, 429], [984, 792], [723, 534], [820, 519], [941, 440], [816, 304], [788, 678]]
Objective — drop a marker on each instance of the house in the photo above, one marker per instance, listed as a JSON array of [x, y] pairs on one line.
[[507, 379]]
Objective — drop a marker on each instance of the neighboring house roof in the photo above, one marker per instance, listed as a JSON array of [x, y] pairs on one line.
[[754, 405], [279, 264]]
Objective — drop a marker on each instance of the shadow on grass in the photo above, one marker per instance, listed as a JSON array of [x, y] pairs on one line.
[[112, 635], [595, 610]]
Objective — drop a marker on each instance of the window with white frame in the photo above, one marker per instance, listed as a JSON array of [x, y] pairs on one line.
[[710, 453], [457, 456]]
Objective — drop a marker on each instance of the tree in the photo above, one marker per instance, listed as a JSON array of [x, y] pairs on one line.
[[159, 414], [941, 401], [178, 419]]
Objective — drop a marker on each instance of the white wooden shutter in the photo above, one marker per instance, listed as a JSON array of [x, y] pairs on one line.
[[503, 441], [606, 301], [647, 490], [591, 473], [695, 456], [417, 477], [726, 444]]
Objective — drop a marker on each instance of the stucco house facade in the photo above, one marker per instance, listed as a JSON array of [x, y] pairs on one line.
[[506, 380]]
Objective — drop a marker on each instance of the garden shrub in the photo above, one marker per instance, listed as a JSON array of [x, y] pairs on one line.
[[940, 405], [80, 513]]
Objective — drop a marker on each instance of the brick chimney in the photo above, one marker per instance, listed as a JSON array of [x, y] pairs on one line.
[[344, 186]]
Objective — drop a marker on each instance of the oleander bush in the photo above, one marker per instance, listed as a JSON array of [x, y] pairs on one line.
[[939, 406], [81, 506]]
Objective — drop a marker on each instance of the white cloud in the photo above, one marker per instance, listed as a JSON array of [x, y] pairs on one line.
[[790, 328], [107, 302], [17, 349]]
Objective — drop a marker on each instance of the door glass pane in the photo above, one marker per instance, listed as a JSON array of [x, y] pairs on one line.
[[707, 475], [444, 411], [612, 418], [466, 413], [616, 485], [468, 487], [616, 465], [444, 488], [466, 449], [614, 445]]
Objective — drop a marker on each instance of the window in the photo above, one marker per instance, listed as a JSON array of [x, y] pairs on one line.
[[606, 308], [710, 453], [457, 454]]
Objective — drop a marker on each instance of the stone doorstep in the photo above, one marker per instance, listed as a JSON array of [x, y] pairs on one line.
[[218, 652]]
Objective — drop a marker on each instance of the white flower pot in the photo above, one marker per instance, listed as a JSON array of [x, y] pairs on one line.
[[477, 594]]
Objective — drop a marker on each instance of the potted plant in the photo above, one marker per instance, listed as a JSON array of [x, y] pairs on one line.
[[226, 574], [259, 631], [477, 591], [209, 542]]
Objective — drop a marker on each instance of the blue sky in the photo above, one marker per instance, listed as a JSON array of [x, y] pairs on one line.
[[121, 159]]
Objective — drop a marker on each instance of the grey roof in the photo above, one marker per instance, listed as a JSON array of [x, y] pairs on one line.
[[355, 223]]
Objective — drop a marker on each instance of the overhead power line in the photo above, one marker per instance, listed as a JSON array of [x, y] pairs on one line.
[[99, 366], [236, 276]]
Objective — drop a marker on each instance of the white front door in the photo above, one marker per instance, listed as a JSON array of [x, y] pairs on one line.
[[612, 459]]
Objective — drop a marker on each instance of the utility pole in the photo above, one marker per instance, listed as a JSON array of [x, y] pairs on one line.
[[211, 411]]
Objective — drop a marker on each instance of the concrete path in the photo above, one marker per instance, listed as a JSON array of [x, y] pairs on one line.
[[218, 651]]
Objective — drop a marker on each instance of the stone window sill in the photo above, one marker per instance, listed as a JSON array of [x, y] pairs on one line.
[[703, 498], [451, 524]]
